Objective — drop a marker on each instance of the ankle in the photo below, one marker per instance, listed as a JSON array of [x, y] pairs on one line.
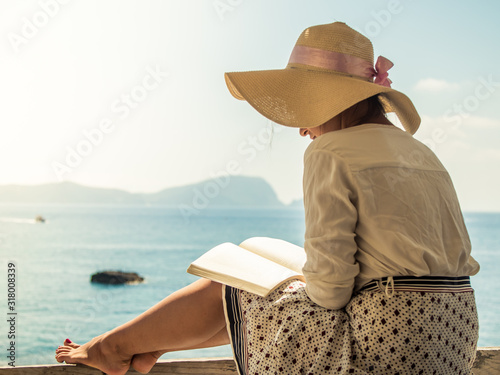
[[111, 344]]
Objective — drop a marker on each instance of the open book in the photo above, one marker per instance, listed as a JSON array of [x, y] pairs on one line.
[[257, 265]]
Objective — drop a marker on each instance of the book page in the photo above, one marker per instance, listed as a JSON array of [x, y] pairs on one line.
[[282, 252], [232, 265]]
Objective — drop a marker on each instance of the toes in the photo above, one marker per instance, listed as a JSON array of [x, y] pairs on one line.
[[68, 356], [63, 349], [59, 349], [71, 344], [65, 353], [60, 358], [62, 355], [62, 352]]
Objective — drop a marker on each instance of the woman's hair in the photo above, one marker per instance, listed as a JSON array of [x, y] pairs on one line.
[[362, 112]]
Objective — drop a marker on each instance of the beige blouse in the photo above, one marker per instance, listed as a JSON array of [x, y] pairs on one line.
[[378, 203]]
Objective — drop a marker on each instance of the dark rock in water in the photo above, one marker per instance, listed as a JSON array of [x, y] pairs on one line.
[[116, 277]]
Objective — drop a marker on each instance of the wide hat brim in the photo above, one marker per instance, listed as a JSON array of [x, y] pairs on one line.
[[305, 98]]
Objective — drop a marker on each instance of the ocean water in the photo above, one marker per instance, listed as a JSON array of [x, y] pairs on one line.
[[54, 261]]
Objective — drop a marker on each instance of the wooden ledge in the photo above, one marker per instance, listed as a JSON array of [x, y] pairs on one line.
[[195, 366], [487, 363]]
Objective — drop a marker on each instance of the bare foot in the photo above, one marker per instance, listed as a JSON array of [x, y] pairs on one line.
[[67, 342], [144, 362], [96, 353]]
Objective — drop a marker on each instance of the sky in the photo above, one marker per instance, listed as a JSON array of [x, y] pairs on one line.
[[130, 94]]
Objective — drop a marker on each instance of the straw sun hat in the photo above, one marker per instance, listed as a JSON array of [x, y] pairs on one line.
[[330, 69]]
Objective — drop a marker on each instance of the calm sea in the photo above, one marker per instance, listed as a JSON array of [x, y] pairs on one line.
[[54, 261]]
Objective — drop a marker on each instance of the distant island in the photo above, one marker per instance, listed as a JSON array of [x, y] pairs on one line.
[[234, 191]]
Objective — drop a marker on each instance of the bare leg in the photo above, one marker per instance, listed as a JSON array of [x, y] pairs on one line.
[[185, 319]]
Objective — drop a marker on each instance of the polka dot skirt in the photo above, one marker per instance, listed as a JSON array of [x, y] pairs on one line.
[[406, 333]]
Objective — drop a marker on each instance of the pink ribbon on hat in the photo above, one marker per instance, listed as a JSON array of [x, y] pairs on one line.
[[342, 62], [381, 67]]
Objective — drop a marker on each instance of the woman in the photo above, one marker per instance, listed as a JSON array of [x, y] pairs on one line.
[[388, 254]]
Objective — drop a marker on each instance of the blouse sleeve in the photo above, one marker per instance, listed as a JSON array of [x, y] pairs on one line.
[[331, 218]]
